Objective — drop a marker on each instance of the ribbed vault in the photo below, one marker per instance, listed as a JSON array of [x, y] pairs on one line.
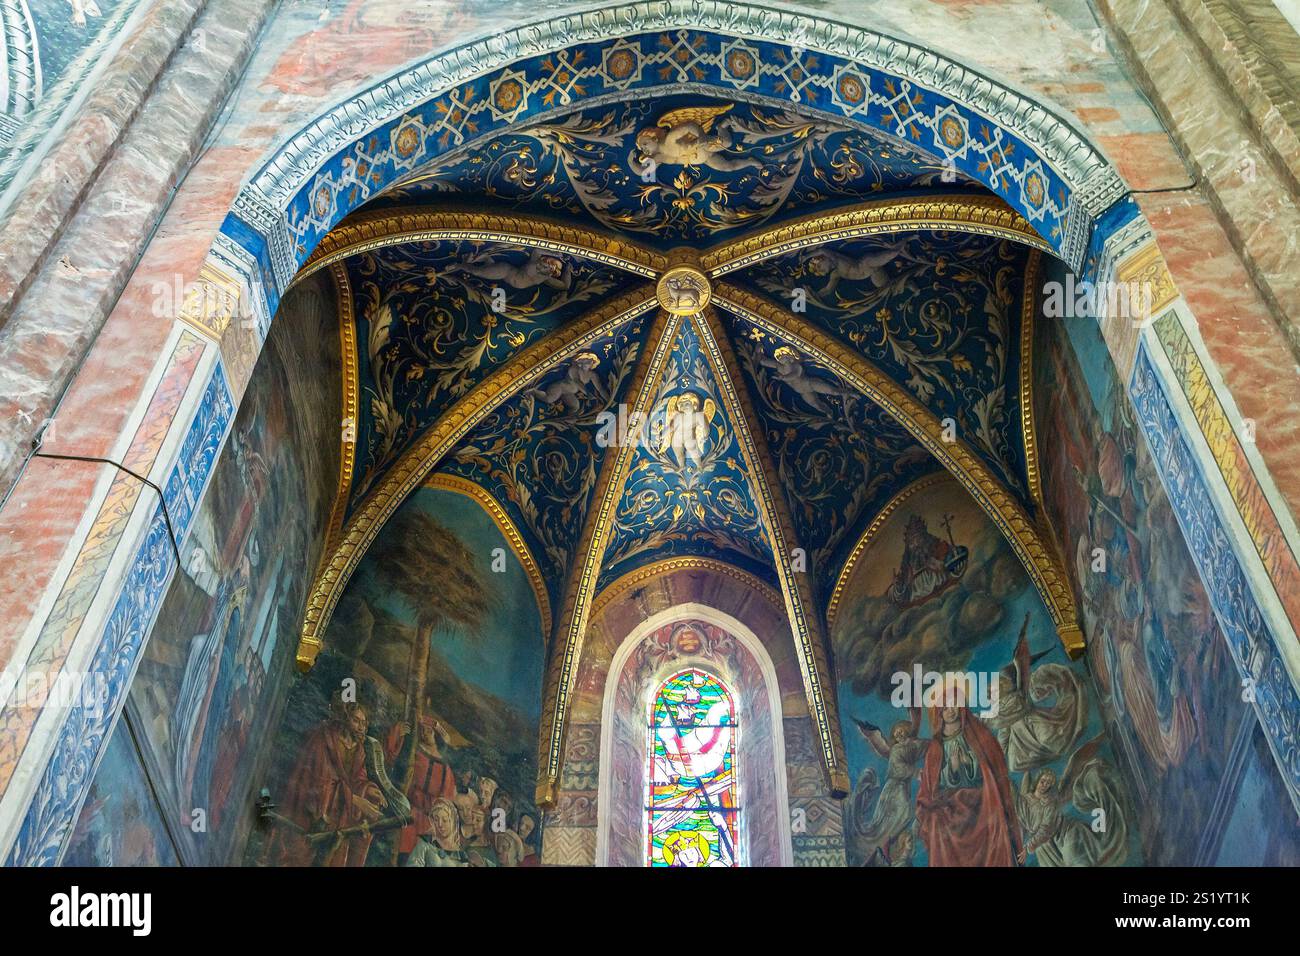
[[686, 329]]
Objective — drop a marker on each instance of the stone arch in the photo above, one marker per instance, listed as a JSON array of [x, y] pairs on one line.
[[761, 758], [1029, 155], [1185, 406]]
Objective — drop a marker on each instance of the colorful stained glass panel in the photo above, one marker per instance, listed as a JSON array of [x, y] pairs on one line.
[[692, 810]]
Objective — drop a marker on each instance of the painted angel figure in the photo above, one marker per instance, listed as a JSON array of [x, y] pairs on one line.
[[580, 381], [892, 814], [541, 268], [836, 267], [685, 137], [82, 9], [681, 434], [789, 369], [1031, 733], [1060, 839]]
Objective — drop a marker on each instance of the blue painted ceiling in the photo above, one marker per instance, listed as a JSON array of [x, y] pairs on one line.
[[679, 170], [938, 312]]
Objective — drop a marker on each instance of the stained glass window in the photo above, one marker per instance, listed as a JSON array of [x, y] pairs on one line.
[[692, 809]]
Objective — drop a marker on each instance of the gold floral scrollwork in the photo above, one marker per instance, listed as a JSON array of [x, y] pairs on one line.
[[976, 215], [1144, 276], [409, 471], [379, 230], [1029, 543]]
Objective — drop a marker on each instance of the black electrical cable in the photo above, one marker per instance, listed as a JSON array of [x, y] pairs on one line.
[[167, 518]]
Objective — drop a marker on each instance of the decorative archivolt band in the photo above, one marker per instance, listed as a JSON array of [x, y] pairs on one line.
[[580, 589], [520, 371], [796, 587], [351, 402], [640, 577], [981, 215], [367, 232], [1029, 429], [1035, 553]]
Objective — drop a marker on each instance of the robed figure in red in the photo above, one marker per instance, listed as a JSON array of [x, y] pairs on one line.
[[330, 799], [432, 778], [964, 810]]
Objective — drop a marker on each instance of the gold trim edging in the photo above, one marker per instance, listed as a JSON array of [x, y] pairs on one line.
[[351, 402], [668, 566], [368, 232], [978, 215], [796, 588], [892, 505], [1029, 429], [566, 649]]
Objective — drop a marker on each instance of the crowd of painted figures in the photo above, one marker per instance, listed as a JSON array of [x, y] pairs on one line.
[[353, 799]]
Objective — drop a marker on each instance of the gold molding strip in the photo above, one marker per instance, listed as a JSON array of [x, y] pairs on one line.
[[1028, 427], [566, 649], [488, 502], [666, 566], [349, 407], [892, 505], [1040, 559], [381, 229], [976, 215], [797, 589], [409, 471], [351, 403]]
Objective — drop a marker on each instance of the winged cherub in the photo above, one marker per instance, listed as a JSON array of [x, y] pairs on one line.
[[685, 137], [871, 266], [579, 381], [785, 362], [685, 426], [1097, 836], [541, 268]]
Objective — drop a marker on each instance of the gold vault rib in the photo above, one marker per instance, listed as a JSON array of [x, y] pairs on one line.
[[975, 215], [797, 588], [566, 649], [368, 232]]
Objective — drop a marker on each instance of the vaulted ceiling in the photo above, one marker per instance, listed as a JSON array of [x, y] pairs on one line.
[[839, 313], [940, 312]]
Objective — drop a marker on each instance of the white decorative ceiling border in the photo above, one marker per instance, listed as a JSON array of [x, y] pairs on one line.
[[1093, 182]]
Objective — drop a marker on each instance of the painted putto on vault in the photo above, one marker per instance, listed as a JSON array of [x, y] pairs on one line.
[[941, 313], [839, 457], [539, 454], [687, 489]]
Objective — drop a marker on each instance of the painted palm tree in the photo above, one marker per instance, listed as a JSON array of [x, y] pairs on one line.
[[441, 580]]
